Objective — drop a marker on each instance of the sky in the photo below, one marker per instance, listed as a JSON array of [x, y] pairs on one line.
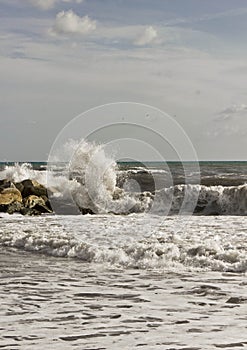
[[60, 58]]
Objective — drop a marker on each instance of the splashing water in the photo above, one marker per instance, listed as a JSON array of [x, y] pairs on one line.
[[82, 178], [20, 172], [91, 177]]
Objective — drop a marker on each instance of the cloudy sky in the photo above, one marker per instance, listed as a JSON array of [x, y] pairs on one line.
[[60, 58]]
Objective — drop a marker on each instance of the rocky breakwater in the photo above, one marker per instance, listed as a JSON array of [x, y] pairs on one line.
[[27, 197]]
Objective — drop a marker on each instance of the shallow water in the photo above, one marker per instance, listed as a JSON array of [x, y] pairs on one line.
[[130, 287], [175, 243]]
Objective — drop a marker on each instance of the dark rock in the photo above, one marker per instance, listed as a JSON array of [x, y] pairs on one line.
[[14, 207], [36, 203], [85, 211], [47, 202], [29, 212], [19, 186], [31, 187], [27, 197], [5, 184]]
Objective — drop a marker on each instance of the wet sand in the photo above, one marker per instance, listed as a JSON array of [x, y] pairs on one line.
[[57, 303]]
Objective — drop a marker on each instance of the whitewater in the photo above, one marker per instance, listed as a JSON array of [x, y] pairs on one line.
[[91, 181], [159, 261]]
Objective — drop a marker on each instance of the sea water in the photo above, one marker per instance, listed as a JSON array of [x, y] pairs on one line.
[[137, 274]]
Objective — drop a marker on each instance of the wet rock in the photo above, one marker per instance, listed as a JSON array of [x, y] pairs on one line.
[[85, 211], [29, 212], [19, 186], [36, 203], [10, 195], [27, 197], [14, 198], [5, 184], [47, 202], [15, 207], [31, 187], [10, 200]]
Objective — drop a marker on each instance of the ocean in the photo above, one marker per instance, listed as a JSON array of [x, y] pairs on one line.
[[158, 262]]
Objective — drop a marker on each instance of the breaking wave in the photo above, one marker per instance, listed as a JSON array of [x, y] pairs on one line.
[[83, 178], [135, 243]]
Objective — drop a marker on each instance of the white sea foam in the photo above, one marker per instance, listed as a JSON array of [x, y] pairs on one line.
[[82, 175], [212, 200], [90, 175], [143, 241], [20, 172]]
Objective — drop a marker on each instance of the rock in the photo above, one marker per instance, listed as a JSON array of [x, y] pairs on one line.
[[27, 197], [10, 195], [85, 211], [19, 186], [29, 212], [15, 207], [10, 200], [47, 202], [31, 187], [36, 203], [5, 184]]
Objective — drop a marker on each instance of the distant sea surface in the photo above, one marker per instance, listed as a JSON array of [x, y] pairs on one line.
[[225, 173]]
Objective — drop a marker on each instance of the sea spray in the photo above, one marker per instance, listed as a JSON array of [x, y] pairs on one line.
[[20, 172], [91, 176], [82, 178]]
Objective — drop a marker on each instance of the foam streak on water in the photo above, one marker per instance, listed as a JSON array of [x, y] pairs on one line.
[[104, 282]]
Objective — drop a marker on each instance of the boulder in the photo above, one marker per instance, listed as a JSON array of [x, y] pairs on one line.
[[10, 195], [47, 202], [19, 186], [29, 212], [31, 187], [27, 197], [10, 200], [36, 203], [85, 211], [14, 207], [5, 183]]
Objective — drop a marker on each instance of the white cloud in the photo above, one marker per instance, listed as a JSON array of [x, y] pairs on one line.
[[68, 22], [149, 35], [49, 4]]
